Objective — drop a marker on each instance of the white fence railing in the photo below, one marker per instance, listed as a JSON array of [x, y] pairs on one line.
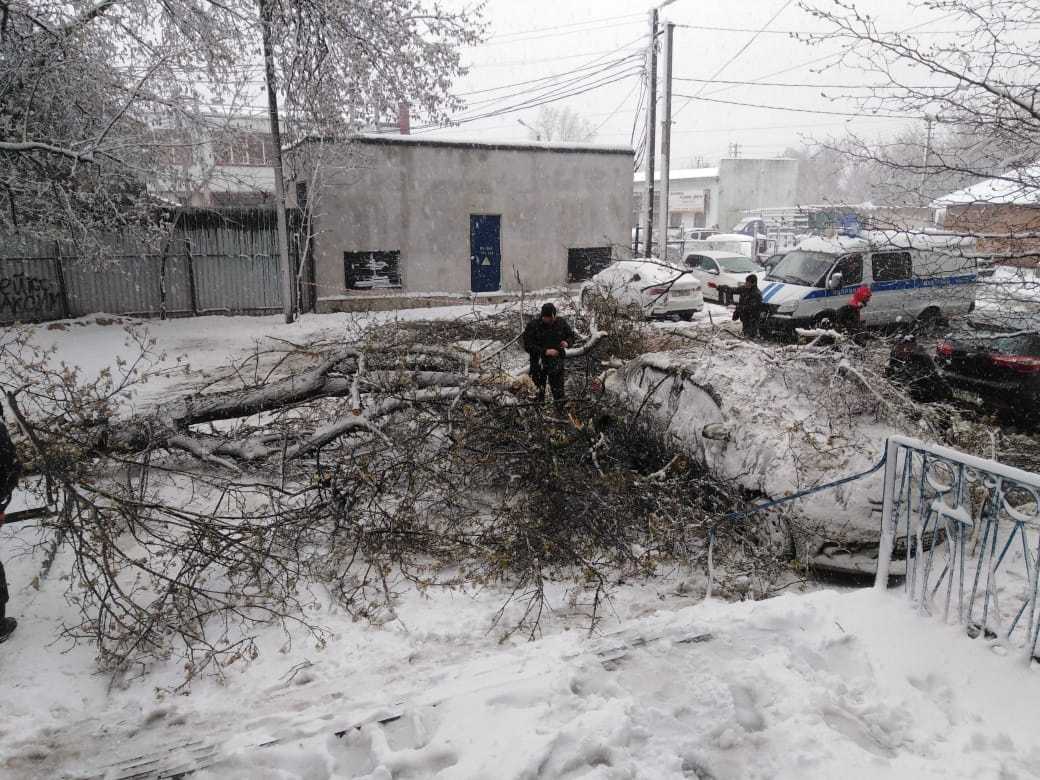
[[980, 523]]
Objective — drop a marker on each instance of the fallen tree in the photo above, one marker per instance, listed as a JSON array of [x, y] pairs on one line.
[[321, 472]]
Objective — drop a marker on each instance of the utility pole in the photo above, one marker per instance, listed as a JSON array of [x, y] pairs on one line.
[[288, 288], [651, 122], [666, 138]]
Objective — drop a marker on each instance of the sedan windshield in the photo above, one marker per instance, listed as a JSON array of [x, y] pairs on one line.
[[738, 265], [800, 267]]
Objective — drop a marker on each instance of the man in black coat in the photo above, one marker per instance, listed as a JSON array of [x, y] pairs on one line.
[[749, 308], [546, 339], [10, 468]]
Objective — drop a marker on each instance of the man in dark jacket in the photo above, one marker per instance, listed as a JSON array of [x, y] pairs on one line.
[[10, 468], [546, 339], [749, 307]]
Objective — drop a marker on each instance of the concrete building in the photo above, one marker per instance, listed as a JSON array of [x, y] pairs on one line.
[[719, 196], [400, 216], [1003, 213], [221, 161]]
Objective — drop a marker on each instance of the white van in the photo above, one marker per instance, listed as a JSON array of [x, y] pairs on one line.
[[912, 277]]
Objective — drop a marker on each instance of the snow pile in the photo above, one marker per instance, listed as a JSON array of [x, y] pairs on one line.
[[851, 685], [775, 422]]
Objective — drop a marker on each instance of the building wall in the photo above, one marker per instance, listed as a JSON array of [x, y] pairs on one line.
[[417, 198], [1016, 229], [746, 183]]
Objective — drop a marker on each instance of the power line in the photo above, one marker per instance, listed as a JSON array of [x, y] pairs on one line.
[[550, 77], [540, 100], [786, 108], [557, 33], [563, 26], [708, 28], [518, 63], [813, 86], [621, 105], [600, 68], [742, 49]]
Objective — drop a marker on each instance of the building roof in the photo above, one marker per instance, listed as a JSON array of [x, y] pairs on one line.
[[379, 139], [1019, 187], [682, 174]]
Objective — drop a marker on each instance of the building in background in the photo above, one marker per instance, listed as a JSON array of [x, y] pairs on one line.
[[221, 161], [396, 216], [1003, 214], [718, 197]]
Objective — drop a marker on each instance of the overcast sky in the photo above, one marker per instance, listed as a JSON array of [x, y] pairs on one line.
[[585, 40]]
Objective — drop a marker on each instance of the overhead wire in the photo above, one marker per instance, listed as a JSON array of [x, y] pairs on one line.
[[788, 108], [739, 52], [556, 87], [564, 26]]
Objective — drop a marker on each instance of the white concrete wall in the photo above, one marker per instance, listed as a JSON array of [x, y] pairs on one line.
[[417, 198]]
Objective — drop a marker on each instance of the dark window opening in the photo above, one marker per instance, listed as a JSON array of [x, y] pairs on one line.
[[851, 269], [371, 270], [891, 266], [585, 263]]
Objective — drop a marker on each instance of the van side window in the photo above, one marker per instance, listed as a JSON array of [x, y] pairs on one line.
[[851, 269], [891, 266]]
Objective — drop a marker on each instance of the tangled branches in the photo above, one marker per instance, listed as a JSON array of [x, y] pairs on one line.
[[323, 470]]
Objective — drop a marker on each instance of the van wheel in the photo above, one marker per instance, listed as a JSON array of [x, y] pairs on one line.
[[825, 319], [930, 320]]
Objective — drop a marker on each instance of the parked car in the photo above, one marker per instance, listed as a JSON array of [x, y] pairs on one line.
[[718, 271], [912, 277], [993, 369], [699, 234], [648, 287]]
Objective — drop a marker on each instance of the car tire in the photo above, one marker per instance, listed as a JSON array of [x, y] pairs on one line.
[[824, 319], [686, 316], [930, 320]]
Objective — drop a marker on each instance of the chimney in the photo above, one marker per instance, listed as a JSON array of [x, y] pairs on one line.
[[404, 122]]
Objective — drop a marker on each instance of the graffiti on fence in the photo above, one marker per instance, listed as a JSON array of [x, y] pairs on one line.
[[25, 295]]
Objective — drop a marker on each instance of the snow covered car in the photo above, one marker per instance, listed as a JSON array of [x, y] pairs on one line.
[[776, 425], [647, 286], [717, 271]]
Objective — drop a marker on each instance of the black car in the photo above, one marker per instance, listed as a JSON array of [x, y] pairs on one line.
[[995, 370]]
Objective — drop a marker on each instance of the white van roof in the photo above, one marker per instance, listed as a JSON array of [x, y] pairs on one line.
[[886, 239]]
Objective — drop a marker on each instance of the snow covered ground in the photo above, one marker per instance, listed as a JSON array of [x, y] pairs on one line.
[[819, 685], [814, 685]]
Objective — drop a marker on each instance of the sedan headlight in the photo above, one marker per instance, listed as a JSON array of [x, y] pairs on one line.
[[787, 308]]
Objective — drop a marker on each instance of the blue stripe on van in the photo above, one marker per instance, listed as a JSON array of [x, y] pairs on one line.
[[771, 290], [902, 284]]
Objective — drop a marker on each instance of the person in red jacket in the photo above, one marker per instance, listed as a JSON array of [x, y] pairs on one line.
[[849, 318]]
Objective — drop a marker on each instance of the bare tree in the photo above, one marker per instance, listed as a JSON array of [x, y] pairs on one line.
[[975, 89], [974, 93], [561, 124], [102, 103]]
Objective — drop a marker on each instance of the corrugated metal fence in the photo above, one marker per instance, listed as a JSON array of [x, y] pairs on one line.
[[215, 261]]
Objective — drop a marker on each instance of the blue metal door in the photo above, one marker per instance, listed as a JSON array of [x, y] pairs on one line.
[[485, 252]]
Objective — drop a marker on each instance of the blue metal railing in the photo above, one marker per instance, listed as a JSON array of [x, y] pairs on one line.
[[983, 508]]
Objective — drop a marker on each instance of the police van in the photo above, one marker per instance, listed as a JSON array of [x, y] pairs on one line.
[[922, 277]]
